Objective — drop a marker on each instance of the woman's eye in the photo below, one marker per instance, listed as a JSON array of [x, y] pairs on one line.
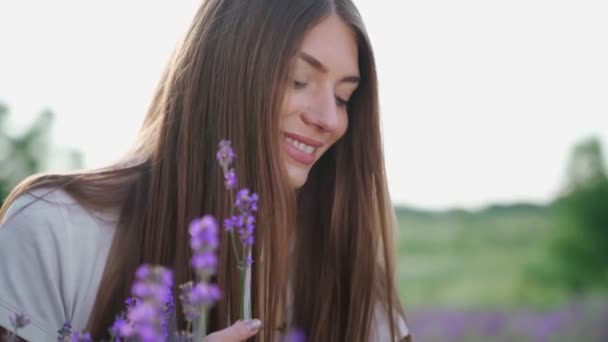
[[341, 102], [298, 85]]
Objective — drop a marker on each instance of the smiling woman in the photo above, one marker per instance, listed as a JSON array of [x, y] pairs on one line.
[[324, 75], [293, 85]]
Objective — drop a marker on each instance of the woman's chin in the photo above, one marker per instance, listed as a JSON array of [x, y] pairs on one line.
[[297, 176]]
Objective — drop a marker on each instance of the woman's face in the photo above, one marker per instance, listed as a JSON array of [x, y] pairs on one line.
[[324, 74]]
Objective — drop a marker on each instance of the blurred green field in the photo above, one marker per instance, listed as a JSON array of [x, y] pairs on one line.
[[473, 259]]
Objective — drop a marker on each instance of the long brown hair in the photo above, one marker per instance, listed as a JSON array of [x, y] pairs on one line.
[[226, 80]]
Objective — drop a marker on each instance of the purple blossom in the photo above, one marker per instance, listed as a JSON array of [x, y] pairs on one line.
[[198, 297], [241, 224], [204, 262], [244, 222], [295, 335], [204, 241], [142, 272], [126, 330], [190, 311], [131, 302], [143, 313], [168, 314], [204, 294], [19, 320], [80, 337], [230, 179], [225, 154], [64, 332], [204, 233], [119, 325], [146, 317], [233, 222], [246, 202]]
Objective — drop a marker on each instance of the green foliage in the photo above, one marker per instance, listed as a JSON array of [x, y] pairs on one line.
[[580, 247], [27, 153], [504, 256], [462, 258]]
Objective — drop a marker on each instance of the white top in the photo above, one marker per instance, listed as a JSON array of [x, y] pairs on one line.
[[52, 255]]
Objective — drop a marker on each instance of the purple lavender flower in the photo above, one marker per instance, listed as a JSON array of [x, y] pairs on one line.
[[19, 320], [230, 179], [146, 317], [233, 222], [203, 233], [118, 326], [225, 154], [190, 311], [168, 314], [295, 335], [242, 224], [204, 262], [204, 294], [246, 202], [225, 157], [64, 332], [204, 241], [131, 302], [198, 297], [78, 337]]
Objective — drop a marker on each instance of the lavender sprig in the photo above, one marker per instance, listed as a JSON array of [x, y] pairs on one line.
[[80, 337], [64, 332], [241, 224], [146, 319], [120, 324], [198, 297], [225, 156], [18, 321]]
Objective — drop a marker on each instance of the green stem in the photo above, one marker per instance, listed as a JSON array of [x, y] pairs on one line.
[[201, 328], [243, 272]]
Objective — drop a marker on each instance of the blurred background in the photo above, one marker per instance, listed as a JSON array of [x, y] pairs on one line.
[[495, 119]]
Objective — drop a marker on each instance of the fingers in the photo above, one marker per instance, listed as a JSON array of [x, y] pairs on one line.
[[239, 331]]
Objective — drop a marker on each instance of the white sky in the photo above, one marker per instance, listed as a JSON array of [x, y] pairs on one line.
[[481, 100]]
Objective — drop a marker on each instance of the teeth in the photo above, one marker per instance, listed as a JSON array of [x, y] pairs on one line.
[[300, 145]]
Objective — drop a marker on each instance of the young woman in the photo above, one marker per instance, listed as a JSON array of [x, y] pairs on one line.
[[293, 85]]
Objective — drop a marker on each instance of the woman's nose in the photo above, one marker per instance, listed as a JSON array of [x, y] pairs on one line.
[[323, 112]]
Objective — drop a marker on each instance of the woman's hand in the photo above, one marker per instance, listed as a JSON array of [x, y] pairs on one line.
[[239, 331]]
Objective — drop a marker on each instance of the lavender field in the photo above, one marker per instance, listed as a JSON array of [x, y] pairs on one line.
[[582, 320], [466, 277]]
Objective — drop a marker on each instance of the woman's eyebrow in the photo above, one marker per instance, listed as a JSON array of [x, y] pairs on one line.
[[315, 63]]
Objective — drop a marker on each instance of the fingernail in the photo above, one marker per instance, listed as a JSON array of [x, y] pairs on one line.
[[253, 324]]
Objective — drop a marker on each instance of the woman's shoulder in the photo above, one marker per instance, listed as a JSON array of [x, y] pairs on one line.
[[49, 223], [54, 209], [52, 254]]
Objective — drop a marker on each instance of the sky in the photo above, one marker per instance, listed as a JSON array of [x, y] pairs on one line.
[[481, 101]]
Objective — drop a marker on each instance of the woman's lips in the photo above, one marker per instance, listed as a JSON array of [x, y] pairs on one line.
[[297, 154]]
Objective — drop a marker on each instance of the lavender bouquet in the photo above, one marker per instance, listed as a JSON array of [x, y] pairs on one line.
[[151, 307], [150, 315]]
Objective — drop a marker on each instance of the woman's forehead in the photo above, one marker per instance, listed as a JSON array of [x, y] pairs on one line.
[[332, 46]]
